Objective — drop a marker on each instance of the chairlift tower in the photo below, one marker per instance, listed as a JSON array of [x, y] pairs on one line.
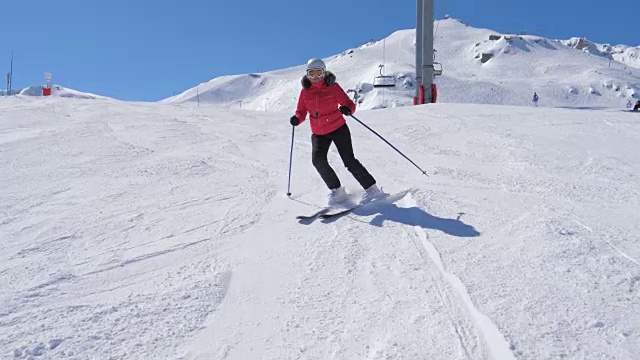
[[424, 53]]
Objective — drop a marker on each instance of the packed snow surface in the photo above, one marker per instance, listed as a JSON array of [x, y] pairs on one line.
[[161, 231]]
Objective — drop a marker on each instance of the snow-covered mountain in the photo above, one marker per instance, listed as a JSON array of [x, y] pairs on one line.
[[480, 66], [624, 54], [57, 90]]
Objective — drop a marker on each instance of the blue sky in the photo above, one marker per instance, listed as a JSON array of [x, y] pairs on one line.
[[147, 50]]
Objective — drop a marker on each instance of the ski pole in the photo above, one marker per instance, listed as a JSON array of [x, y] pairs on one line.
[[388, 143], [293, 130]]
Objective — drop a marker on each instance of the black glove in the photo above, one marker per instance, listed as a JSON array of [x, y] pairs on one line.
[[345, 110], [294, 121]]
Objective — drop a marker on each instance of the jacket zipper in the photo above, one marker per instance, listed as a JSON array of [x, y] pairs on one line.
[[317, 113]]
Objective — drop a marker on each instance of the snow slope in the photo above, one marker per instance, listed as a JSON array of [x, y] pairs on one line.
[[155, 231], [513, 68]]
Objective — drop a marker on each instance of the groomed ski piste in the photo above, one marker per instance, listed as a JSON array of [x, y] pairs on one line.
[[162, 231]]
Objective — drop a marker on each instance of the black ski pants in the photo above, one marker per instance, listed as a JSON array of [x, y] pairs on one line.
[[320, 148]]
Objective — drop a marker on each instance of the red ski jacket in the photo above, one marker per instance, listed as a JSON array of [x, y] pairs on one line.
[[321, 101]]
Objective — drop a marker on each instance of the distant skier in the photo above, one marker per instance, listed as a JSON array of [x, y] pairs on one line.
[[326, 102], [535, 99], [629, 104], [637, 107]]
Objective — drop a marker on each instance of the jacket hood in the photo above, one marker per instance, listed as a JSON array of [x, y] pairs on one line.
[[329, 79]]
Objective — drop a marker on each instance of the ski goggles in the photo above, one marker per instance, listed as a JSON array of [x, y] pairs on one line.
[[315, 73]]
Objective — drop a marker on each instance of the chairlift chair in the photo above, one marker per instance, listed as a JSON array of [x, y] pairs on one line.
[[384, 81]]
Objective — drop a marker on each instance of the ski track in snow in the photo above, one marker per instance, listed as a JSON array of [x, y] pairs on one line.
[[622, 253], [484, 327]]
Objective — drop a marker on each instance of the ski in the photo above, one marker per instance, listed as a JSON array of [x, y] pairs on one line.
[[314, 215], [333, 212], [386, 198], [328, 215], [326, 210]]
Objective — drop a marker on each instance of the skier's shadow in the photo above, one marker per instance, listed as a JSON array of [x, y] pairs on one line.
[[414, 216]]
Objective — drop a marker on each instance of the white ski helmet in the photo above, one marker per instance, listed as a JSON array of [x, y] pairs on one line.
[[316, 64]]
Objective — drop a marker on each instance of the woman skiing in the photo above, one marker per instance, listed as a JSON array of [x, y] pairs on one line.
[[326, 102]]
